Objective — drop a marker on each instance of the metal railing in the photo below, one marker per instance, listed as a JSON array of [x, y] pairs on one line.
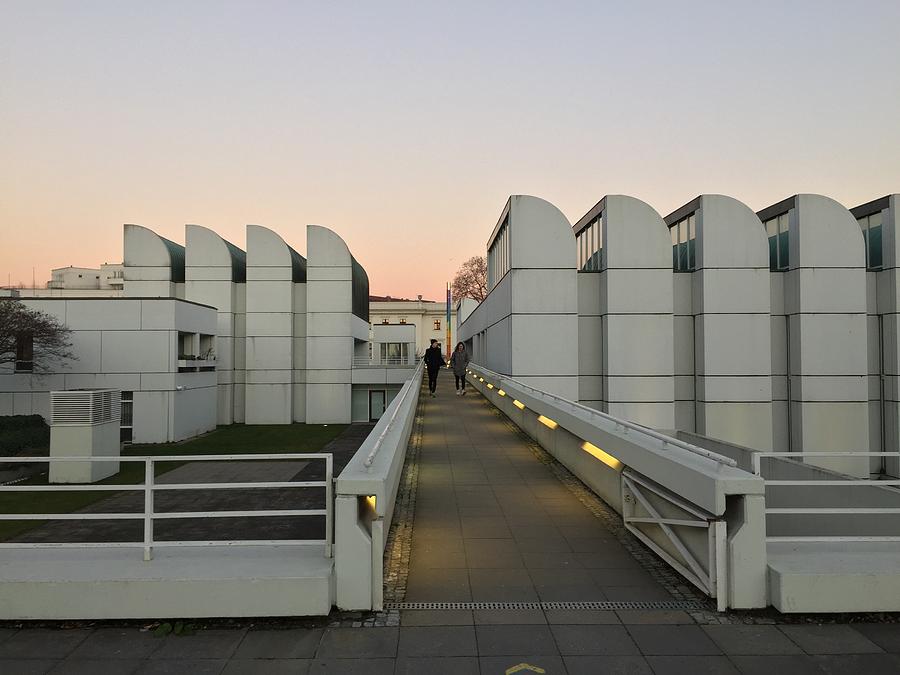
[[150, 515], [624, 424], [829, 482], [363, 361], [396, 404]]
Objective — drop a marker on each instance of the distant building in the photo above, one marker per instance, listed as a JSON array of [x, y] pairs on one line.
[[429, 318], [109, 277]]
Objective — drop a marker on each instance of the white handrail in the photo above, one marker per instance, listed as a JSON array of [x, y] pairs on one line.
[[149, 514], [666, 440], [397, 404]]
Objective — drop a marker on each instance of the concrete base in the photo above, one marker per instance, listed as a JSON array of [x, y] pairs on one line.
[[192, 582], [820, 577]]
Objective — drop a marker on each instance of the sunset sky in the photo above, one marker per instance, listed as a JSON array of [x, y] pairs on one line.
[[405, 126]]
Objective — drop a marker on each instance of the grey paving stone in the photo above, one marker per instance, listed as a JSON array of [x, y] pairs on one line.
[[593, 640], [607, 665], [117, 643], [437, 641], [500, 617], [691, 665], [267, 666], [829, 639], [485, 528], [551, 560], [636, 593], [501, 585], [618, 559], [350, 643], [6, 633], [116, 666], [667, 616], [492, 553], [622, 576], [857, 664], [42, 643], [581, 616], [760, 640], [885, 635], [26, 666], [554, 544], [499, 665], [439, 585], [429, 617], [777, 665], [449, 665], [181, 667], [512, 640], [296, 643], [672, 640], [205, 644]]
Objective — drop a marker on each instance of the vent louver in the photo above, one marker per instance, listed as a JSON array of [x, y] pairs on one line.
[[85, 406]]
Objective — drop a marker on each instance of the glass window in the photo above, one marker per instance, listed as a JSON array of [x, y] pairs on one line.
[[784, 258], [24, 354], [403, 319], [874, 257], [674, 231], [437, 324], [692, 239]]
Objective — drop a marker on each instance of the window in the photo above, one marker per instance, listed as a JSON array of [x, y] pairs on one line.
[[589, 243], [403, 319], [777, 230], [684, 244], [24, 354], [385, 321], [126, 423], [396, 353], [498, 260], [871, 230], [437, 324]]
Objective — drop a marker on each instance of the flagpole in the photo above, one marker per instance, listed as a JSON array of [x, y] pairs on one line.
[[449, 299]]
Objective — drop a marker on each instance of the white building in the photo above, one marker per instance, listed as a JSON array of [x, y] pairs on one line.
[[428, 317], [109, 277]]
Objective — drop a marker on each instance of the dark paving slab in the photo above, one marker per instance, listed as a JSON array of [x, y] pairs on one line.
[[267, 666], [502, 617], [26, 666], [430, 617], [859, 664], [659, 616], [885, 635], [607, 665], [759, 640], [581, 617], [379, 666], [437, 641], [777, 665], [117, 643], [95, 666], [205, 644], [448, 665], [512, 640], [369, 643], [42, 643], [672, 640], [829, 639], [6, 633], [499, 665], [691, 665], [279, 644], [593, 640]]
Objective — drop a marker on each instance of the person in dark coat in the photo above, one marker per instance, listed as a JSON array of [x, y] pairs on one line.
[[433, 363], [459, 361]]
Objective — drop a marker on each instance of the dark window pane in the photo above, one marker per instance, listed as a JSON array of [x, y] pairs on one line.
[[675, 257], [773, 253], [875, 259], [692, 259], [683, 256], [783, 251]]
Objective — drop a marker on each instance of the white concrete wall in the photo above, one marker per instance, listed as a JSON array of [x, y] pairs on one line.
[[527, 327], [418, 313], [271, 304], [128, 344], [148, 265]]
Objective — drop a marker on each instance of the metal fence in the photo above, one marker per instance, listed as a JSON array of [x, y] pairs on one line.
[[150, 515]]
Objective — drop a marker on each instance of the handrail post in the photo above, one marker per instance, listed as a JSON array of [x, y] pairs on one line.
[[329, 506], [148, 509]]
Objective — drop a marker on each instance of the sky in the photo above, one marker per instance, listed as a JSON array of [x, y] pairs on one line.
[[404, 126]]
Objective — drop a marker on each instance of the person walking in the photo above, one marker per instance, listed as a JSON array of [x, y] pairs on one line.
[[459, 361], [433, 363]]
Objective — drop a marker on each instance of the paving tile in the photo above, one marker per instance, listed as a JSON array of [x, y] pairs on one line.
[[448, 665], [267, 666], [435, 617], [351, 667], [42, 643], [623, 576], [856, 664], [509, 585], [551, 560], [606, 559], [116, 666], [485, 528], [513, 640], [26, 666], [350, 643], [492, 553], [636, 593], [181, 667], [759, 640], [437, 641], [777, 665], [438, 585], [672, 640], [117, 643], [205, 644], [668, 616], [885, 635], [499, 617], [581, 617], [691, 665], [550, 544], [607, 665], [593, 640], [829, 639], [296, 643], [499, 665], [6, 633]]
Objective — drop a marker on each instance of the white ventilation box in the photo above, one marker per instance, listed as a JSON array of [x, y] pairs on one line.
[[84, 423]]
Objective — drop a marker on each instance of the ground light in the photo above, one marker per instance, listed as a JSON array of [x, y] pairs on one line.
[[490, 386], [370, 500], [518, 404], [604, 457], [547, 422], [501, 392]]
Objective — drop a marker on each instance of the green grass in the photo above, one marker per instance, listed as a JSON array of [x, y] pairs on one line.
[[236, 439]]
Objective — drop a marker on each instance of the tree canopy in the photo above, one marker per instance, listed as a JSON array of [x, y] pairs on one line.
[[471, 279], [33, 339]]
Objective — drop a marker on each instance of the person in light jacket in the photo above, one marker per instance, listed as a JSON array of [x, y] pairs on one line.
[[433, 363], [459, 361]]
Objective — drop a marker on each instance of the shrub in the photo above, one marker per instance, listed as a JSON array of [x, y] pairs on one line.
[[24, 435]]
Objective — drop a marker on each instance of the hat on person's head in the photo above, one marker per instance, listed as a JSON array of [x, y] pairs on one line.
[[433, 340]]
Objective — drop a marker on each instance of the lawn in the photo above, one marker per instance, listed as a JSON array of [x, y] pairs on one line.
[[235, 439]]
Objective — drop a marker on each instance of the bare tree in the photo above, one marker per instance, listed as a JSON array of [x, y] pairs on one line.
[[31, 339], [471, 279]]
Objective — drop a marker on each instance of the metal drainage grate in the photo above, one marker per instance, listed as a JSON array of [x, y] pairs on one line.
[[599, 605]]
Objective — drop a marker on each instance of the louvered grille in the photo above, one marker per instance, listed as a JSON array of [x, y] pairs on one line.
[[85, 406]]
